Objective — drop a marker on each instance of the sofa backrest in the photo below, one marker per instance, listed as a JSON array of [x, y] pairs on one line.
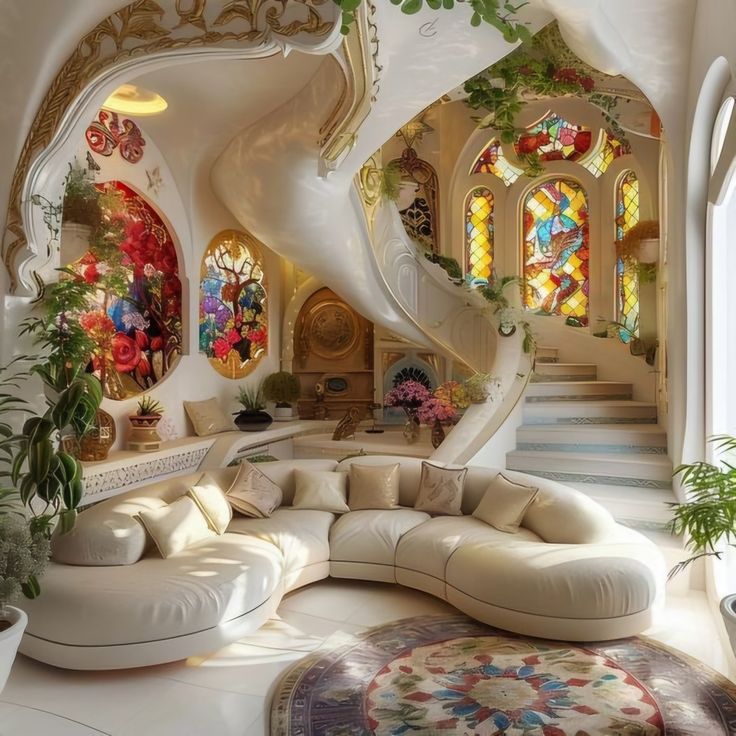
[[559, 514], [281, 472]]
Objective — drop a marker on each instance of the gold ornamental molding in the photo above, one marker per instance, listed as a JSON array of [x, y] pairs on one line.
[[361, 72], [145, 28]]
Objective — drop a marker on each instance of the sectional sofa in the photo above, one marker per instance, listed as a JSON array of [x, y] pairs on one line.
[[570, 572]]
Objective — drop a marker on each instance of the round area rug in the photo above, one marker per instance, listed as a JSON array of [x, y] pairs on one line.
[[450, 675]]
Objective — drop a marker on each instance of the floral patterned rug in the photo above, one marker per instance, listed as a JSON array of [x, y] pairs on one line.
[[452, 676]]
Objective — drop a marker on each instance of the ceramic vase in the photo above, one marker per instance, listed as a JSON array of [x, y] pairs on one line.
[[438, 433], [252, 421], [143, 435], [10, 640], [728, 611]]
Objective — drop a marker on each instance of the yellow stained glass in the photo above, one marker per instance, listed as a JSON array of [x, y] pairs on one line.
[[479, 234], [493, 161], [627, 269], [556, 249], [609, 149]]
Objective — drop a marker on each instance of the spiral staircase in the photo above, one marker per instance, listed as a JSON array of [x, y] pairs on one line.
[[373, 265]]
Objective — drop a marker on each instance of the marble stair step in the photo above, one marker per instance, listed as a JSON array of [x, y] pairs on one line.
[[629, 469], [590, 412], [546, 354], [577, 391], [648, 439], [565, 372]]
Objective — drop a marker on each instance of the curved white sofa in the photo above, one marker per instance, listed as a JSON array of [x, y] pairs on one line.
[[570, 572]]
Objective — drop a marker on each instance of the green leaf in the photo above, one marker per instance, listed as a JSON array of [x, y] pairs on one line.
[[67, 519], [72, 494], [31, 588], [409, 7]]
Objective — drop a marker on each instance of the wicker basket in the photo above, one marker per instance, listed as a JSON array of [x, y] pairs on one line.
[[97, 442]]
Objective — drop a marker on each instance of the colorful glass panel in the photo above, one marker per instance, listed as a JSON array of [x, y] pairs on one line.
[[627, 269], [556, 249], [609, 149], [134, 315], [233, 315], [493, 161], [554, 139], [479, 234]]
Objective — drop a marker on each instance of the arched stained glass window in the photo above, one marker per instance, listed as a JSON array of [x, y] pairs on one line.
[[556, 251], [233, 313], [609, 149], [479, 234], [493, 161], [627, 269], [554, 139]]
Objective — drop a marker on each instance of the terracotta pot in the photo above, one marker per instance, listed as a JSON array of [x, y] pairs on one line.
[[10, 640]]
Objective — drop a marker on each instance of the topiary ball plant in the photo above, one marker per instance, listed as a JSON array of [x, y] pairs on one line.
[[282, 388]]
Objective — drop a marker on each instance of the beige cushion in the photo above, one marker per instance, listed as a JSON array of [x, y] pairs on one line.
[[211, 501], [504, 504], [374, 486], [176, 526], [441, 490], [252, 493], [321, 490], [371, 535], [208, 418]]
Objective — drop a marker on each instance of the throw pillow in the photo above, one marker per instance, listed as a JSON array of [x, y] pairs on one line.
[[252, 493], [322, 490], [176, 526], [441, 490], [208, 418], [211, 501], [374, 486], [504, 504]]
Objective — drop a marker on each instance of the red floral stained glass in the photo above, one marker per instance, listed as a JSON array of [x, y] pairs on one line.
[[135, 313], [554, 139]]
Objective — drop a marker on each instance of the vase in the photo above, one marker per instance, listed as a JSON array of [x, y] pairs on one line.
[[728, 611], [438, 433], [95, 445], [143, 435], [411, 429], [10, 640], [252, 421]]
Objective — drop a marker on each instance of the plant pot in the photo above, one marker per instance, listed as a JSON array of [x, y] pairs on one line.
[[143, 435], [252, 421], [10, 641], [648, 250], [74, 242], [728, 611], [283, 413]]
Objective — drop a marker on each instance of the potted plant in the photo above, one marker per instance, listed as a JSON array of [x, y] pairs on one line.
[[708, 517], [640, 243], [481, 386], [283, 389], [81, 212], [23, 558], [143, 435], [252, 418]]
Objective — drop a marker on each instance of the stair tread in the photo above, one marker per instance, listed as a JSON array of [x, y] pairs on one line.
[[587, 382], [562, 365], [565, 428], [634, 495], [548, 405], [619, 458]]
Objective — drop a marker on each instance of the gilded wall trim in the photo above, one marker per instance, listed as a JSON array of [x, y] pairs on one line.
[[144, 28]]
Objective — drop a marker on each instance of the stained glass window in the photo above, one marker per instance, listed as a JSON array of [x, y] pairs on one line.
[[134, 312], [627, 269], [493, 161], [556, 252], [554, 139], [479, 234], [609, 149], [233, 315]]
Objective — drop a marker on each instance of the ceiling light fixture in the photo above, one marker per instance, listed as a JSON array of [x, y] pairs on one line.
[[129, 99]]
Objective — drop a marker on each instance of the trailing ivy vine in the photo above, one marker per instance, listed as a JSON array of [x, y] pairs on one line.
[[500, 14]]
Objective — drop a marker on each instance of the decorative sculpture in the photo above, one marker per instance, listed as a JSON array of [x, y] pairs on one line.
[[348, 424]]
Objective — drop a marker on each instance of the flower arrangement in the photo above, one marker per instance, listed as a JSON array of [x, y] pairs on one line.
[[453, 393], [435, 410], [480, 386], [409, 395], [628, 246]]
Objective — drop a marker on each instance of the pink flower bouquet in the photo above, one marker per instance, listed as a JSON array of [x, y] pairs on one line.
[[407, 395], [436, 410]]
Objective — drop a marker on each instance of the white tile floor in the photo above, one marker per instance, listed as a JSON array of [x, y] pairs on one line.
[[228, 693]]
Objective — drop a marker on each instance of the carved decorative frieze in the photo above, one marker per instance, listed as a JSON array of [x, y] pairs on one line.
[[147, 27]]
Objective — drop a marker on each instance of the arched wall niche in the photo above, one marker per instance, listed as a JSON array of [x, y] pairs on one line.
[[126, 43]]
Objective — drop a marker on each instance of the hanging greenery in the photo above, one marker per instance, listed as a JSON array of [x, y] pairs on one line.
[[498, 13], [541, 67]]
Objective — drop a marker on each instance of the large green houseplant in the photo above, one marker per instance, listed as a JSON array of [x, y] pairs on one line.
[[283, 389], [708, 517]]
